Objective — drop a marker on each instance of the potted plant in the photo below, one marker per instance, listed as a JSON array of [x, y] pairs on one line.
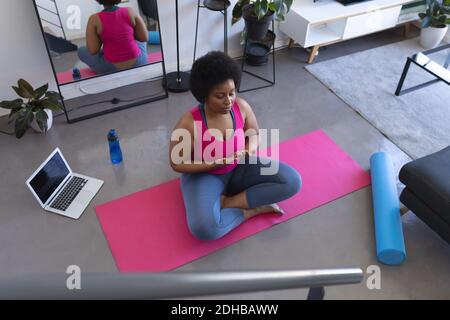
[[33, 108], [434, 22], [258, 14]]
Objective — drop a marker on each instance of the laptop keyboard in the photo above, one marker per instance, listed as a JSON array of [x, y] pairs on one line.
[[70, 191]]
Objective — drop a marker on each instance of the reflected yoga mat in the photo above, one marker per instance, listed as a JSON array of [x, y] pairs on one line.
[[147, 231], [66, 76]]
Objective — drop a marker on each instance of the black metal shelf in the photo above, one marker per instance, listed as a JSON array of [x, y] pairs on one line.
[[270, 82], [60, 26], [218, 6]]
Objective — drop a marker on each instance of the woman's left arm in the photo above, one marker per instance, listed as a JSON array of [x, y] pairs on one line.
[[251, 127], [140, 30]]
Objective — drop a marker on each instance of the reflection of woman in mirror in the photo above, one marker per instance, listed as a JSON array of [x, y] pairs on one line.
[[122, 34]]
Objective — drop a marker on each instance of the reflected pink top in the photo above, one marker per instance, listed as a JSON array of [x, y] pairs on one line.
[[208, 148], [117, 36]]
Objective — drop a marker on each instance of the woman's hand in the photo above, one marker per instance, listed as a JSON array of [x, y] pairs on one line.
[[241, 154], [230, 160]]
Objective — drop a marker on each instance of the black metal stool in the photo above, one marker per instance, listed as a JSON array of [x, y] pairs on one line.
[[219, 6]]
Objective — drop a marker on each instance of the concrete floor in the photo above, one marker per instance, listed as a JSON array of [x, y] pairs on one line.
[[339, 234]]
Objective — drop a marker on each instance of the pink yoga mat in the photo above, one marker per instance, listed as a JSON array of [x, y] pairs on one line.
[[147, 231], [66, 76]]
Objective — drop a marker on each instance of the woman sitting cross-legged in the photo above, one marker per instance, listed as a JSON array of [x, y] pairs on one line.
[[223, 181]]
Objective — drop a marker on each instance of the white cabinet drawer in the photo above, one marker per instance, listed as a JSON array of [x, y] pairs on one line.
[[371, 22]]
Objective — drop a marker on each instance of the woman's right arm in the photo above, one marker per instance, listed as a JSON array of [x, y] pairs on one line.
[[93, 42], [182, 146]]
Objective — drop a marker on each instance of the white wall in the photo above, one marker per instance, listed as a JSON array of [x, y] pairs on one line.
[[23, 51], [86, 7]]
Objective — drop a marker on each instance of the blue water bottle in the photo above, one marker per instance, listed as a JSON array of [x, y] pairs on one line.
[[114, 147], [76, 74]]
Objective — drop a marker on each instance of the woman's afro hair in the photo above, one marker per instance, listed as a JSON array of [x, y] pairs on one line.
[[210, 70], [109, 2]]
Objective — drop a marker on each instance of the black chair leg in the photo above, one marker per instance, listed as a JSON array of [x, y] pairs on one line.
[[402, 78]]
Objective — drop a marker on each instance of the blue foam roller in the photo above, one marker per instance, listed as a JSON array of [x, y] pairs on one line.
[[153, 37], [390, 244]]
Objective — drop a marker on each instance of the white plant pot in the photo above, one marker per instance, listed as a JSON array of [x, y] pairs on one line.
[[35, 126], [447, 36], [431, 37]]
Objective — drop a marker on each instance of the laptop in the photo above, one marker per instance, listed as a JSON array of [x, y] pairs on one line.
[[61, 191]]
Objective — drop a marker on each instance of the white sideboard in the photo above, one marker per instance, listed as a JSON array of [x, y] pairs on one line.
[[315, 24]]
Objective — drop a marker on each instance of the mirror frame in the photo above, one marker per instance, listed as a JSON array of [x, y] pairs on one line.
[[117, 108]]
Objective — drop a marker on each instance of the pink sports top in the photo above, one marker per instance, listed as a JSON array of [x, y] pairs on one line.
[[118, 36], [206, 145]]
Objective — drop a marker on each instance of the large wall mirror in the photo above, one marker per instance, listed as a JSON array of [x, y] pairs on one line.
[[106, 54]]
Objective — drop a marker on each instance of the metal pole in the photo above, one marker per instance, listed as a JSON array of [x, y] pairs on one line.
[[225, 28], [196, 30], [178, 42], [177, 81], [172, 285]]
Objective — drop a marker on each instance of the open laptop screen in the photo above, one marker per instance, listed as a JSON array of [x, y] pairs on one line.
[[49, 177]]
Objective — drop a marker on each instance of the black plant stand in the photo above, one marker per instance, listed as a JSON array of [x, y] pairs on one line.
[[214, 5], [177, 81], [270, 82]]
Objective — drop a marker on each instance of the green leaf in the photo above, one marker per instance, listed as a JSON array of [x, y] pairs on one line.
[[237, 10], [20, 92], [23, 122], [426, 22], [281, 13], [288, 4], [26, 88], [53, 95], [41, 91], [13, 115], [11, 105], [41, 119], [51, 104], [261, 8], [273, 7], [442, 19]]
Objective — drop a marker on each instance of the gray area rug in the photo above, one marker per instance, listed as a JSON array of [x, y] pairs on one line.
[[417, 122]]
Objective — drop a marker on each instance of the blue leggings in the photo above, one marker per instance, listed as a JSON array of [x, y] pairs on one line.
[[202, 193], [99, 64]]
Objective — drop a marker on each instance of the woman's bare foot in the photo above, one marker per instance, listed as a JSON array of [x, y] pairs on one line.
[[249, 213]]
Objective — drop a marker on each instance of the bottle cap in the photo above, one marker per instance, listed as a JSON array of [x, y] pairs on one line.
[[112, 135], [76, 73]]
